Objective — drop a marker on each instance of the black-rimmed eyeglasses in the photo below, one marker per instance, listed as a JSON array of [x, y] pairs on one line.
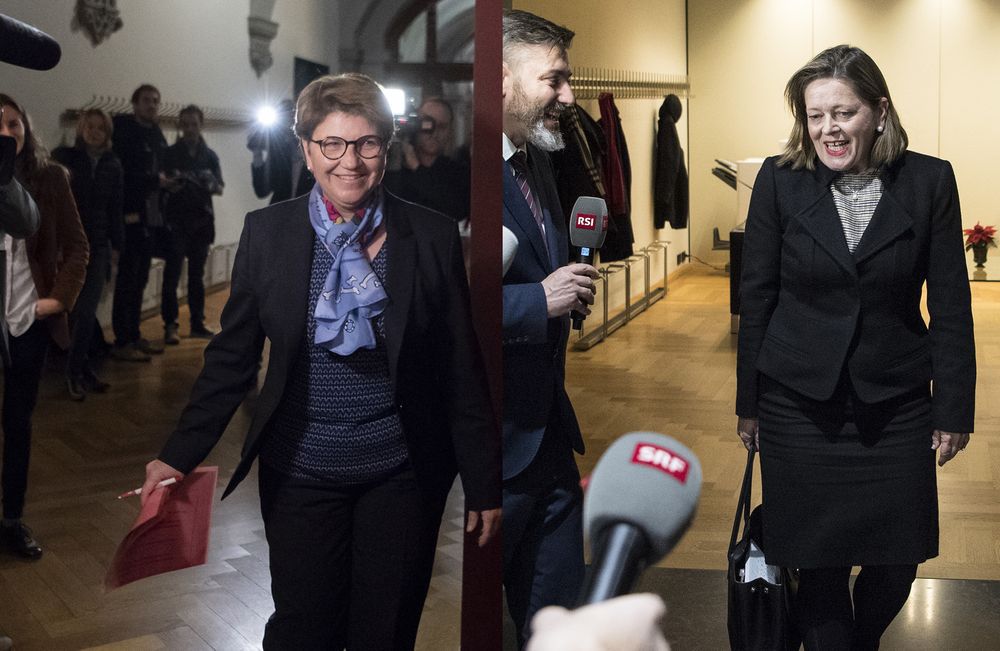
[[334, 148]]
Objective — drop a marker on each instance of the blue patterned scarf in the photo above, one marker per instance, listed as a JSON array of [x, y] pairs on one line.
[[353, 294]]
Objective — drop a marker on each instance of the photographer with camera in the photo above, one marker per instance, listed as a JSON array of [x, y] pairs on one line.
[[277, 167], [426, 174], [193, 176]]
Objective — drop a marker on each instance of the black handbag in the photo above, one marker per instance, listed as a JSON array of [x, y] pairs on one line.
[[759, 611]]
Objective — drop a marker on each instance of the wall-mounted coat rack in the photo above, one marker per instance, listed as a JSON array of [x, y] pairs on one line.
[[589, 83], [169, 111]]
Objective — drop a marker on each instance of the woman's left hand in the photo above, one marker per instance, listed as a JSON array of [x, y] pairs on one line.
[[490, 520], [47, 307], [949, 444]]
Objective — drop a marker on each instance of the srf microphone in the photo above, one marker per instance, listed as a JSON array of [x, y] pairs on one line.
[[509, 248], [588, 224], [23, 45], [641, 498]]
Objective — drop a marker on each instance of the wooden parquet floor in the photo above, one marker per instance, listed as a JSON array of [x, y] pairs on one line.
[[83, 455], [672, 370]]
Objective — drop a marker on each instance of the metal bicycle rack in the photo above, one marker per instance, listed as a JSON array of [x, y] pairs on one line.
[[589, 339]]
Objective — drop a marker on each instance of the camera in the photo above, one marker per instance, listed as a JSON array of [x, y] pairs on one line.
[[410, 124], [270, 122], [8, 149]]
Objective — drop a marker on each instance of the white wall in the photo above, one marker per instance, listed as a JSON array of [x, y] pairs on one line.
[[194, 51], [640, 36], [938, 56]]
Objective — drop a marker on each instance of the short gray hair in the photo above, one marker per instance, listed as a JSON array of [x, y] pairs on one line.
[[524, 28]]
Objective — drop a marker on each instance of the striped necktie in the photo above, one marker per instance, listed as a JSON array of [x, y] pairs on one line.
[[519, 161]]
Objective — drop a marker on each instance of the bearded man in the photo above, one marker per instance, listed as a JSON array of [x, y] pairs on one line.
[[542, 499]]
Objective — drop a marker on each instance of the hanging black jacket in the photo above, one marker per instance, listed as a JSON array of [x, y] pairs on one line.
[[670, 184]]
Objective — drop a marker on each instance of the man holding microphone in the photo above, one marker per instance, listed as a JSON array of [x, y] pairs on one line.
[[542, 499]]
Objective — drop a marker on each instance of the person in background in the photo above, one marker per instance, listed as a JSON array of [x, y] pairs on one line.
[[277, 168], [19, 219], [841, 384], [375, 391], [43, 276], [542, 499], [96, 180], [193, 176], [139, 144], [427, 174]]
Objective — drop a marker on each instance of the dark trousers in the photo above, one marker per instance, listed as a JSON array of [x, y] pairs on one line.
[[350, 566], [130, 283], [20, 394], [82, 318], [178, 247], [543, 534], [829, 621]]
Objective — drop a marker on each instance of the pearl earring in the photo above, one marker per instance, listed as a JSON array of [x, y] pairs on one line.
[[879, 128]]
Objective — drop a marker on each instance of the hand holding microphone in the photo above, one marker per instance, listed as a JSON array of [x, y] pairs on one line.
[[627, 623], [569, 288], [640, 500], [588, 226]]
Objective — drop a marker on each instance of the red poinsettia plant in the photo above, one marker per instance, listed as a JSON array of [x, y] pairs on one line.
[[979, 235]]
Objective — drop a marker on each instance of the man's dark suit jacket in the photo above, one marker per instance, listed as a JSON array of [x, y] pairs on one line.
[[810, 307], [434, 362], [534, 346]]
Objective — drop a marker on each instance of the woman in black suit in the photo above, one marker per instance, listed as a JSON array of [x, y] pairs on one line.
[[374, 394], [835, 362]]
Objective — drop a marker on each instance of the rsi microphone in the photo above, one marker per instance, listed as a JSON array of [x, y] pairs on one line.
[[641, 498], [588, 224], [509, 248], [23, 45]]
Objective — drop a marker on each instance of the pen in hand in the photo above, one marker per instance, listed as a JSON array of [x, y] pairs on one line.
[[138, 491]]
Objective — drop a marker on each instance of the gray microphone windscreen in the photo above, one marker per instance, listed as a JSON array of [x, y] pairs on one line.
[[648, 480], [588, 223], [509, 248]]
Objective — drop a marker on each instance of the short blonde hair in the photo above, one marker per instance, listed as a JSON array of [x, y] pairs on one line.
[[105, 119], [351, 93], [855, 68]]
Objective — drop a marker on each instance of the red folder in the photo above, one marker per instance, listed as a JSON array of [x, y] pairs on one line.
[[171, 532]]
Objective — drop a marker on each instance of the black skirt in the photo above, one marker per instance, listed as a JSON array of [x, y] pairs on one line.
[[844, 482]]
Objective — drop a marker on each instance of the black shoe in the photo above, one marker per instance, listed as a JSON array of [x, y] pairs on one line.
[[93, 384], [129, 353], [149, 347], [170, 336], [201, 332], [17, 538], [77, 391]]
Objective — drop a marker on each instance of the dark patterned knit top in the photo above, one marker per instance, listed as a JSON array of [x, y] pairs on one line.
[[337, 420]]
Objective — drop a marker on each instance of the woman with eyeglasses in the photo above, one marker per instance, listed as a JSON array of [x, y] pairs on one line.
[[374, 396]]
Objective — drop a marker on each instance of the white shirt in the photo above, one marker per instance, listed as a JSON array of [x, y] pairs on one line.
[[21, 293]]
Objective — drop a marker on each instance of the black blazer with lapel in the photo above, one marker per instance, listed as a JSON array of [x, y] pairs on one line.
[[534, 346], [809, 308], [434, 361]]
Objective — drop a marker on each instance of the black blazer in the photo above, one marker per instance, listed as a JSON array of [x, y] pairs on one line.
[[434, 361], [534, 346], [810, 308]]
